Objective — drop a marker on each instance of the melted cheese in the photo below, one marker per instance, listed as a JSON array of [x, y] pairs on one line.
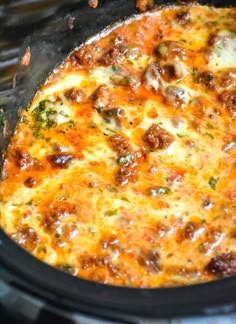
[[122, 170]]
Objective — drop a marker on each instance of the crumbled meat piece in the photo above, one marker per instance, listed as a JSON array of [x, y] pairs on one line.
[[228, 78], [190, 230], [93, 3], [176, 96], [207, 79], [95, 262], [74, 95], [213, 235], [114, 55], [26, 237], [171, 50], [56, 212], [30, 182], [23, 159], [144, 5], [162, 229], [60, 161], [102, 98], [120, 144], [218, 40], [129, 170], [149, 260], [228, 98], [173, 71], [157, 138], [152, 77], [111, 243], [230, 146], [122, 77], [183, 17], [223, 265], [87, 55], [116, 113]]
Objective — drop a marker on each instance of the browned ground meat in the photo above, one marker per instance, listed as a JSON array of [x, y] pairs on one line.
[[228, 98], [87, 55], [157, 137], [55, 213], [74, 95], [152, 77], [190, 229], [129, 170], [171, 50], [149, 260], [116, 113], [26, 237], [102, 98], [162, 229], [23, 159], [120, 144], [30, 182], [114, 55], [223, 265], [172, 71], [207, 79], [122, 77], [60, 161], [183, 17], [175, 95]]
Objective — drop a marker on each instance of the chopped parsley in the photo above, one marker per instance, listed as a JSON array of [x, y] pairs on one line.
[[159, 191], [44, 117], [209, 135], [124, 159], [111, 212], [213, 182], [125, 199], [210, 126], [112, 189], [181, 135]]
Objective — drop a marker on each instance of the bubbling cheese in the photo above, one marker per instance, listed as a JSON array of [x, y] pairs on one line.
[[122, 170]]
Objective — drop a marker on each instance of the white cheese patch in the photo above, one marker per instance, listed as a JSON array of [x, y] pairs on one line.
[[223, 52]]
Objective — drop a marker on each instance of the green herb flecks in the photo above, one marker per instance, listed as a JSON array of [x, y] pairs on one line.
[[113, 189], [213, 182], [181, 135], [124, 159], [162, 49], [209, 135], [210, 126], [44, 117], [67, 268], [158, 191], [111, 212]]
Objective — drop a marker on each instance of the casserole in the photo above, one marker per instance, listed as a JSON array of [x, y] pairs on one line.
[[149, 307]]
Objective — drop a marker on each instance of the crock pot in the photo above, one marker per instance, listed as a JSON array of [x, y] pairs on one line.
[[33, 291]]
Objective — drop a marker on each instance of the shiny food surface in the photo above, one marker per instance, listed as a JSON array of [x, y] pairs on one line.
[[122, 170]]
